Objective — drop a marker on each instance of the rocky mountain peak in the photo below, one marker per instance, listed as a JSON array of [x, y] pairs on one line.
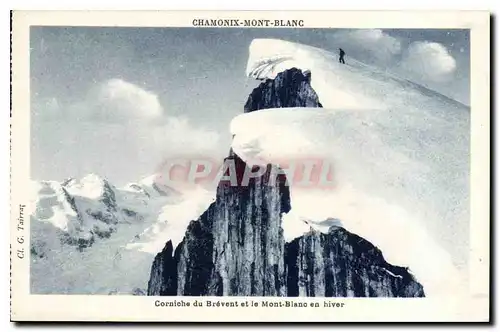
[[237, 246], [290, 88]]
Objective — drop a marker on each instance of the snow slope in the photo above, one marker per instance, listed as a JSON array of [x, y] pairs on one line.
[[400, 154], [351, 86], [89, 237]]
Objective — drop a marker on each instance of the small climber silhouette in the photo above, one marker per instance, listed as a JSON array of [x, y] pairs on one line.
[[341, 56]]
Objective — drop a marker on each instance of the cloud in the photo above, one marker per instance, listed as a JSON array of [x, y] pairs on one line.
[[370, 45], [120, 100], [183, 137], [428, 61], [113, 101], [422, 61], [124, 102], [117, 130]]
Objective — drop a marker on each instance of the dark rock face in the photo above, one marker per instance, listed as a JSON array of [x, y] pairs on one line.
[[342, 264], [163, 278], [291, 88], [237, 246]]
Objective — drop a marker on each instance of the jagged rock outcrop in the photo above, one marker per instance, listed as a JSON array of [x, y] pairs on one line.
[[237, 246], [290, 88], [342, 264], [163, 278]]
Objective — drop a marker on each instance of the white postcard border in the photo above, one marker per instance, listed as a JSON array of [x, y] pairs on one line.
[[28, 307]]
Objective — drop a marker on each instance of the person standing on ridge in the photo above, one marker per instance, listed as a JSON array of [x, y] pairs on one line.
[[341, 56]]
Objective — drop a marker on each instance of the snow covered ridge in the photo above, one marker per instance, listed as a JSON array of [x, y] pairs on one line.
[[79, 212], [400, 154], [86, 234], [354, 85]]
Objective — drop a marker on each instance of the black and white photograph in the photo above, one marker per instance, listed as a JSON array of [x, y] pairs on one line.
[[250, 157]]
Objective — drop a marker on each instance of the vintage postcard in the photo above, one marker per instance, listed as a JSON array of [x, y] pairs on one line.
[[250, 166]]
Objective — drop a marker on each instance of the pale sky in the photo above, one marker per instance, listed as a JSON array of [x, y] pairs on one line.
[[120, 101]]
